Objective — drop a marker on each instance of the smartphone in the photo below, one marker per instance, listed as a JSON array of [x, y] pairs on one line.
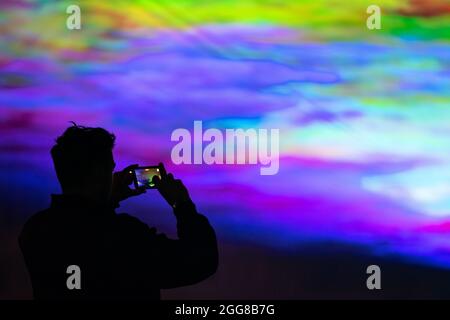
[[143, 176]]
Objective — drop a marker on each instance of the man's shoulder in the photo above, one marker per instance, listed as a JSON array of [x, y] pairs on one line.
[[39, 218], [34, 223]]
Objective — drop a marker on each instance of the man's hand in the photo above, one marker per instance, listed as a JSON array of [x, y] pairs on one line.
[[121, 185], [173, 190]]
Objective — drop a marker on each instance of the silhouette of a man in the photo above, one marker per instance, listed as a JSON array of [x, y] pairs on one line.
[[119, 256]]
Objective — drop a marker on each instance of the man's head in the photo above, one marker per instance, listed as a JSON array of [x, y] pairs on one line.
[[84, 162]]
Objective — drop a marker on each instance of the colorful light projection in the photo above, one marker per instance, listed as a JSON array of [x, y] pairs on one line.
[[364, 116]]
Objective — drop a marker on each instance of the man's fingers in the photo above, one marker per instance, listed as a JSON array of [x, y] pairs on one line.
[[138, 191], [127, 178], [156, 180], [142, 190], [162, 170], [169, 177], [130, 168]]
